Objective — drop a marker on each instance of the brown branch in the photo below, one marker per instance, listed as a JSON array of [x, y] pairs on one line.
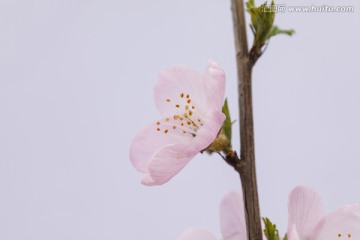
[[246, 166]]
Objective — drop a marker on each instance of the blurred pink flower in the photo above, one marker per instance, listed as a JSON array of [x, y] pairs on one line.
[[191, 106], [232, 221], [307, 220]]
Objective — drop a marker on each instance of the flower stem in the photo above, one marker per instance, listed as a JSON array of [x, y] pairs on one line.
[[246, 166]]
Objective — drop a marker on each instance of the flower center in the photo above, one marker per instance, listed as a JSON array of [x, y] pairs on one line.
[[187, 120]]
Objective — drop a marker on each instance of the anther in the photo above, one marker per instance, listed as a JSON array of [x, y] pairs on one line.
[[181, 95], [190, 112], [174, 127], [189, 101], [187, 96], [168, 100], [158, 129], [157, 123], [166, 131], [187, 107], [177, 105], [167, 119]]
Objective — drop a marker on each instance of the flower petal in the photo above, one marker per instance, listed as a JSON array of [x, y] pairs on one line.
[[305, 210], [173, 87], [167, 162], [214, 86], [292, 233], [344, 221], [232, 216], [148, 141], [209, 131], [196, 234]]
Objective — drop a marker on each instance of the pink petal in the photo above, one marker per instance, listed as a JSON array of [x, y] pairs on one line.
[[232, 217], [292, 233], [214, 86], [196, 234], [305, 210], [345, 220], [209, 131], [167, 162], [172, 87], [148, 141]]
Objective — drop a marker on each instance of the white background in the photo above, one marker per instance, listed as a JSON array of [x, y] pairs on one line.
[[76, 80]]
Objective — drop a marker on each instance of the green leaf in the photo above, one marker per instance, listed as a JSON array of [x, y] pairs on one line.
[[262, 20], [226, 127], [275, 31], [270, 230]]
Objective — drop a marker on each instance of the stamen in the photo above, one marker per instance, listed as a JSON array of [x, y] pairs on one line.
[[174, 127], [177, 105], [157, 123], [168, 100], [181, 95], [167, 119], [190, 112], [166, 131], [189, 101]]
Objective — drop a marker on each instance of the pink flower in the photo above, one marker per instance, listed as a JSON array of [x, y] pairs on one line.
[[307, 220], [190, 104], [232, 221]]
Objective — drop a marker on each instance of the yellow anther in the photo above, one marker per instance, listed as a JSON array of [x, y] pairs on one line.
[[166, 131], [188, 123], [190, 112], [168, 100], [189, 101], [174, 127], [182, 95], [349, 235], [339, 234]]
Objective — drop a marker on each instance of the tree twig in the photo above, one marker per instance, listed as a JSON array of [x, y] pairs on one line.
[[246, 166]]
